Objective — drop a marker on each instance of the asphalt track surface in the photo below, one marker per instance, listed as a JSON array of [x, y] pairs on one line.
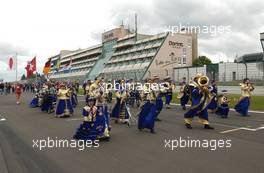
[[128, 149]]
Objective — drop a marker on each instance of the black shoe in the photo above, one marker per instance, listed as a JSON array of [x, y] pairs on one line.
[[188, 126], [184, 108], [152, 131], [207, 126], [157, 119]]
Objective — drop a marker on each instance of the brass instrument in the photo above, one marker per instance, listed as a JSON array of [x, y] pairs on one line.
[[203, 83], [224, 99]]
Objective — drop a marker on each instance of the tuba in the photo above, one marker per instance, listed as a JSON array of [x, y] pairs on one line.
[[203, 83]]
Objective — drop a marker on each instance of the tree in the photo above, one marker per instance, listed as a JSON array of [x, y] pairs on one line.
[[23, 77], [201, 60]]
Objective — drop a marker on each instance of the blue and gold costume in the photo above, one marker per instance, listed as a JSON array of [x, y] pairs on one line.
[[148, 112], [244, 101], [120, 111], [213, 104], [200, 99], [74, 98], [88, 128], [168, 95], [102, 121], [64, 106], [223, 108], [158, 94], [183, 95], [35, 101]]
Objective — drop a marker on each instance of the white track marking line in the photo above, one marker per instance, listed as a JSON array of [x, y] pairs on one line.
[[74, 119], [2, 118], [232, 130], [243, 128]]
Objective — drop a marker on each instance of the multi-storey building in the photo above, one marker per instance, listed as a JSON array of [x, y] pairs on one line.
[[126, 54]]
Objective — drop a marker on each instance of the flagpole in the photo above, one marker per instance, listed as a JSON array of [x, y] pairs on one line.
[[36, 70], [16, 66]]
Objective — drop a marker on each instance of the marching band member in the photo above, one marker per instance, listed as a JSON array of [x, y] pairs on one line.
[[183, 94], [243, 103], [200, 99], [213, 90], [53, 93], [158, 94], [47, 103], [102, 118], [120, 111], [223, 108], [168, 95], [64, 106], [35, 101], [87, 89], [148, 112], [74, 98], [87, 129]]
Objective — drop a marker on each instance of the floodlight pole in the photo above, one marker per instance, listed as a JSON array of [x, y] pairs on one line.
[[262, 44]]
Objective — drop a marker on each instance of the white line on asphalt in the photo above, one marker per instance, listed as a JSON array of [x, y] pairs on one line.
[[232, 130], [243, 128], [2, 118], [74, 119]]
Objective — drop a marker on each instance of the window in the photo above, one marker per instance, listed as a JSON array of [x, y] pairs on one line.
[[179, 60], [184, 51], [184, 60]]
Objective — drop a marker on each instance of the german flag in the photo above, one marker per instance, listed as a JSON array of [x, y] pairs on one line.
[[47, 67]]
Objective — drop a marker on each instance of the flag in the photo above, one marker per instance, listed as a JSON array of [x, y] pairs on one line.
[[47, 67], [67, 67], [11, 63], [31, 67]]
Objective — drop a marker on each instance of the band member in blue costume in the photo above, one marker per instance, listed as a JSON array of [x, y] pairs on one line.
[[148, 111], [35, 101], [168, 95], [244, 101], [120, 111], [102, 118], [74, 98], [47, 103], [183, 95], [159, 92], [213, 90], [87, 88], [223, 108], [200, 100], [87, 129], [64, 106]]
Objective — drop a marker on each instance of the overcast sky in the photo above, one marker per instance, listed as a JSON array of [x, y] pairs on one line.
[[43, 28]]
